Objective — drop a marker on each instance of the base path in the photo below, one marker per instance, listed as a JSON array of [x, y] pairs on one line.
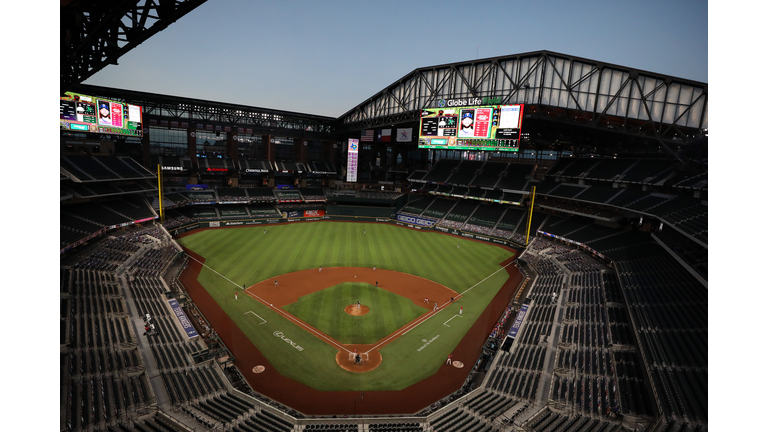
[[300, 283], [309, 401]]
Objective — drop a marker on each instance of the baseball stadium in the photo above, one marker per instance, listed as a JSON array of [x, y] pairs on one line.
[[514, 243]]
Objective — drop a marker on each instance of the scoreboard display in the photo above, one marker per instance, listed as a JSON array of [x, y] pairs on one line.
[[480, 127], [83, 113]]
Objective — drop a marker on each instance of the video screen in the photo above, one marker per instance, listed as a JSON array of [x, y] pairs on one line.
[[487, 128], [83, 113]]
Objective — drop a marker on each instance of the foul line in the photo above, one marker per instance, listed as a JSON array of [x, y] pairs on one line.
[[264, 302], [421, 320]]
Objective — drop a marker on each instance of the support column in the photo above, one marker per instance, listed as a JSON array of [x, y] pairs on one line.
[[329, 153], [234, 155], [269, 147], [145, 150], [192, 153], [300, 150]]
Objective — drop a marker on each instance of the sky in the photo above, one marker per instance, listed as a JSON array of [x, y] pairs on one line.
[[327, 57]]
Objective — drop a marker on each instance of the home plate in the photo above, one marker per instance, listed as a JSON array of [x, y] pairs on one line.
[[260, 369], [458, 364]]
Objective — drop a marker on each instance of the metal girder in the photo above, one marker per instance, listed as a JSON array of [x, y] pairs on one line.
[[96, 33], [172, 107], [555, 87]]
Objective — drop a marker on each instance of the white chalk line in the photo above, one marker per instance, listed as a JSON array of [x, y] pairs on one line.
[[446, 323], [285, 314], [423, 319], [409, 327], [252, 312]]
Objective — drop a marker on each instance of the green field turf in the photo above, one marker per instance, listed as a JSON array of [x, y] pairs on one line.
[[324, 310], [247, 256]]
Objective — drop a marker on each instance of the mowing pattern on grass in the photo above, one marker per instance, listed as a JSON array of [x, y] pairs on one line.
[[324, 310], [247, 256]]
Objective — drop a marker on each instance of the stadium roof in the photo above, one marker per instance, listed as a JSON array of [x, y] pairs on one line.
[[94, 33], [568, 93]]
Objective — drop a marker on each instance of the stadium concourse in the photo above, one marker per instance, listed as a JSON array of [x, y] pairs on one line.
[[604, 329]]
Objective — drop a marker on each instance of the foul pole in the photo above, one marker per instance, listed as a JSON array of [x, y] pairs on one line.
[[530, 216]]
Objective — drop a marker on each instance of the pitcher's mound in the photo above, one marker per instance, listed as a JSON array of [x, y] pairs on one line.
[[356, 311]]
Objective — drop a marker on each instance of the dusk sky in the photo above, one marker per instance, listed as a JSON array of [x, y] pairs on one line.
[[327, 57]]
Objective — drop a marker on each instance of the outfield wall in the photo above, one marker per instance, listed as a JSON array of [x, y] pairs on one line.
[[402, 220]]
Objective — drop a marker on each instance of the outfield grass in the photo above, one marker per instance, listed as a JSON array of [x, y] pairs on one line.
[[247, 256], [324, 310]]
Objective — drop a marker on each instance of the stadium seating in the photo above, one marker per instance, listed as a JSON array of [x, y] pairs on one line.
[[516, 177], [465, 172], [489, 174], [442, 169], [234, 212], [648, 171], [461, 211], [92, 168], [313, 194], [418, 205], [578, 168]]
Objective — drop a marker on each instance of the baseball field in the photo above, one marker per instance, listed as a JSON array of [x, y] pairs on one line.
[[308, 299]]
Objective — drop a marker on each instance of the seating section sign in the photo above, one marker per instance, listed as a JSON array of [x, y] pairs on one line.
[[518, 321], [182, 317]]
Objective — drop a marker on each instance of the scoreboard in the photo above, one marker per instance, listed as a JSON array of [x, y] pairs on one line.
[[480, 127], [83, 113]]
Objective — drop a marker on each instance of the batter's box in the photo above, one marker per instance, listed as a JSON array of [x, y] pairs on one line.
[[251, 312], [363, 356]]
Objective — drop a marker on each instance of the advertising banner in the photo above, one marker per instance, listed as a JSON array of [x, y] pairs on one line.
[[415, 220], [352, 154], [182, 317], [314, 213], [518, 321]]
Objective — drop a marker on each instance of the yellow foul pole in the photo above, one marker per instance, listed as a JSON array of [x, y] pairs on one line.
[[530, 216]]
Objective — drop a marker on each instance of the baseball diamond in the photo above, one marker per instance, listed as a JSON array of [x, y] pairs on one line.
[[308, 306]]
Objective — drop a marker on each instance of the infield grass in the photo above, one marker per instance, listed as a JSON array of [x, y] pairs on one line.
[[324, 310], [247, 256]]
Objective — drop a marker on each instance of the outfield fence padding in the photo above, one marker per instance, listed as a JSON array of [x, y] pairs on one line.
[[407, 221]]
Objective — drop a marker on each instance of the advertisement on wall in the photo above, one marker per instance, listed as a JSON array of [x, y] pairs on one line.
[[314, 213], [415, 220], [352, 154]]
